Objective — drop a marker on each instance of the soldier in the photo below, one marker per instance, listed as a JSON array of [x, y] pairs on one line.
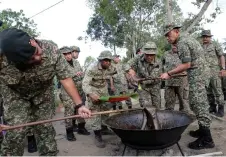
[[174, 87], [193, 61], [95, 85], [147, 65], [26, 82], [216, 62], [224, 81], [80, 128], [138, 51], [67, 101], [119, 82]]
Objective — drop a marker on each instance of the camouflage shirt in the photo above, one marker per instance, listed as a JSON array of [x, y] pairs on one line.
[[212, 54], [145, 69], [35, 80], [119, 79], [190, 50], [171, 61], [75, 67], [95, 79]]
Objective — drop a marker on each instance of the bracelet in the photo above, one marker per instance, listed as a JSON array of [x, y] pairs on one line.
[[168, 73]]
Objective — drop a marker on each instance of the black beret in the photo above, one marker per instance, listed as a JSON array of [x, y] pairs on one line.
[[14, 44]]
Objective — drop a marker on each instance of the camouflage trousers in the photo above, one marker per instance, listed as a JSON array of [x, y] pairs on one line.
[[18, 110], [97, 120], [119, 104], [171, 92], [198, 97], [214, 91], [69, 110], [150, 96], [29, 129]]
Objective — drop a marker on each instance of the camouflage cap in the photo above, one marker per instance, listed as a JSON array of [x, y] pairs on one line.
[[149, 48], [206, 33], [114, 56], [126, 67], [105, 55], [65, 49], [75, 48], [169, 27]]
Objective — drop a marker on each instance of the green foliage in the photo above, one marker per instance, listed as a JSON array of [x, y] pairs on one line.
[[131, 23], [18, 20], [88, 61]]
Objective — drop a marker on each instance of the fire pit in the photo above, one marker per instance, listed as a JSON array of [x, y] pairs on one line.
[[128, 127]]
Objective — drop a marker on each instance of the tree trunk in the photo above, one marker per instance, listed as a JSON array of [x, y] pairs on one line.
[[134, 45], [114, 50], [198, 17], [169, 11]]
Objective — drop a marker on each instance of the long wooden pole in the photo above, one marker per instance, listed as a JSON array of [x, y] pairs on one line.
[[4, 127]]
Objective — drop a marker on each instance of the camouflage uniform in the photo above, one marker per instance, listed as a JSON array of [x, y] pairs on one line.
[[224, 82], [151, 88], [95, 82], [174, 87], [190, 51], [64, 97], [28, 93], [120, 84], [214, 92]]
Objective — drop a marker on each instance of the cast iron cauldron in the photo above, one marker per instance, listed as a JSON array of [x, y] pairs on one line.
[[127, 126]]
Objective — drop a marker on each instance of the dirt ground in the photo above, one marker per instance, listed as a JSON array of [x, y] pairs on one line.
[[84, 146]]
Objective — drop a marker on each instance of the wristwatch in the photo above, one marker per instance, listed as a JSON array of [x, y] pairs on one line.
[[79, 105], [222, 68]]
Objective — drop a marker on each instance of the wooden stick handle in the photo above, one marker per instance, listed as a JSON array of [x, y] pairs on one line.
[[4, 128]]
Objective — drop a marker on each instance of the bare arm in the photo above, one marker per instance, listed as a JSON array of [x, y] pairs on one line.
[[71, 90], [180, 68], [222, 61]]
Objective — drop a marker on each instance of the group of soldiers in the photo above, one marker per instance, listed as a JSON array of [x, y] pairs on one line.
[[28, 68]]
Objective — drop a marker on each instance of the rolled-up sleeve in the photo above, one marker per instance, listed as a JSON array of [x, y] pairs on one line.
[[184, 53], [219, 50], [86, 81]]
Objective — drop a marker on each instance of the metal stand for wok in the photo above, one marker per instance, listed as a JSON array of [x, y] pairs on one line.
[[138, 148]]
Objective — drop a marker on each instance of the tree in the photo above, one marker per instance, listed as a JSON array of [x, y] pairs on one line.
[[88, 61], [131, 23], [128, 23], [224, 44], [18, 20]]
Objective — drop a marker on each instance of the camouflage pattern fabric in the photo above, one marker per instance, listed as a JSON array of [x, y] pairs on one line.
[[175, 86], [66, 99], [190, 50], [120, 83], [147, 70], [30, 92], [95, 82], [212, 54], [224, 82]]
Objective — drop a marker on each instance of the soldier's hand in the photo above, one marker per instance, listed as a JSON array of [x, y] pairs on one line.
[[113, 88], [84, 112], [222, 73], [165, 76], [94, 97], [80, 73], [131, 72], [3, 127]]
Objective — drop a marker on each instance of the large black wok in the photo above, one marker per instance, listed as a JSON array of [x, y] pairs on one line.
[[128, 126]]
